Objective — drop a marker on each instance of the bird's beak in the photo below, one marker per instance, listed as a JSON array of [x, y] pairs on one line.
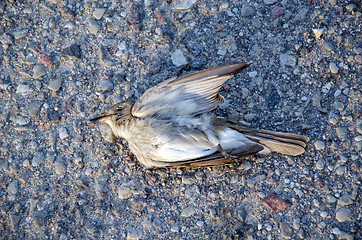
[[102, 118]]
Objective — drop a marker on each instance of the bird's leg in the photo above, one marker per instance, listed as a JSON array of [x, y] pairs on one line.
[[228, 156], [119, 144]]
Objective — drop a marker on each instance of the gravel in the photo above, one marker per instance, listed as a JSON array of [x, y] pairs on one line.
[[63, 62]]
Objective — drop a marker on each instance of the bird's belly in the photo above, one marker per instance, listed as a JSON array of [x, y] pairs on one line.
[[183, 145], [171, 142]]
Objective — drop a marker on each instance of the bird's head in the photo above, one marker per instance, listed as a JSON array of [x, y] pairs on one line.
[[116, 115]]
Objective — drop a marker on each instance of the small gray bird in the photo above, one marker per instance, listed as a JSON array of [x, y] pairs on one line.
[[170, 125]]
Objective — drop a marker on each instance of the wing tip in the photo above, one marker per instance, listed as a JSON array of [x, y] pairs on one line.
[[238, 67]]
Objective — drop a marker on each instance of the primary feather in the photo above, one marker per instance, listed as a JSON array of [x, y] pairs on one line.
[[186, 96]]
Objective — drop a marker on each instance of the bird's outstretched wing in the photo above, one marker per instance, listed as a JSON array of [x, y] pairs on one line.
[[186, 96]]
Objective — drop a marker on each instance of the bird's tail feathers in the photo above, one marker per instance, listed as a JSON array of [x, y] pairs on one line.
[[285, 143]]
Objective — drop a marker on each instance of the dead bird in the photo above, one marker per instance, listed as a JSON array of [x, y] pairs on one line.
[[170, 125]]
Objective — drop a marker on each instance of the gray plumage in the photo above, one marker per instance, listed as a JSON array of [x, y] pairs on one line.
[[170, 124]]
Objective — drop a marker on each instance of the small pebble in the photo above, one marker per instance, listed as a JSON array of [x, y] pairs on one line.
[[342, 132], [188, 179], [249, 117], [55, 84], [337, 93], [73, 51], [38, 71], [268, 227], [34, 108], [6, 39], [296, 223], [244, 92], [316, 99], [45, 59], [187, 212], [338, 106], [245, 166], [328, 46], [99, 12], [222, 52], [341, 170], [286, 230], [52, 23], [59, 168], [104, 85], [14, 221], [269, 2], [324, 214], [350, 7], [288, 60], [124, 192], [327, 87], [63, 134], [20, 34], [345, 200], [241, 213], [20, 120], [38, 159], [333, 67], [200, 223], [184, 4], [69, 26], [134, 234], [322, 225], [52, 138], [301, 15], [343, 214], [276, 12], [247, 11], [333, 119], [175, 229], [358, 58], [336, 231], [346, 236], [13, 187], [320, 164], [318, 32], [350, 59], [319, 145], [93, 27], [253, 74], [252, 181], [178, 58]]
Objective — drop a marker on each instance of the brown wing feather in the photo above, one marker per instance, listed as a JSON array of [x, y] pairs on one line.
[[208, 161]]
